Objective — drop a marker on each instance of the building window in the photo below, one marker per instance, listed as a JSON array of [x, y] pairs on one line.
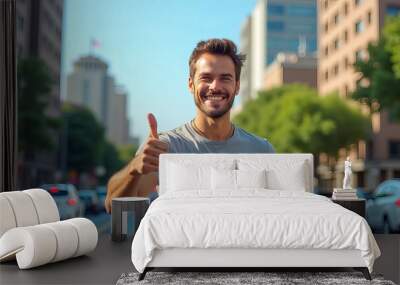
[[85, 93], [326, 4], [326, 75], [369, 18], [345, 9], [19, 51], [276, 26], [393, 10], [326, 27], [336, 69], [336, 44], [336, 19], [358, 2], [345, 36], [276, 9], [346, 63], [394, 149], [20, 23], [302, 10], [326, 51], [346, 90], [359, 27]]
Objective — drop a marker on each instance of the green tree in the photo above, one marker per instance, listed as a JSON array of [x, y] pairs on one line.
[[34, 125], [391, 35], [295, 119], [84, 138], [379, 84], [85, 145], [110, 160], [127, 152]]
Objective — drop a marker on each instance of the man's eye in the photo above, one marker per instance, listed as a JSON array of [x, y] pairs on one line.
[[227, 79]]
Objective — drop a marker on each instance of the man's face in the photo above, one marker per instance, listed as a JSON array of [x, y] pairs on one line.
[[214, 84]]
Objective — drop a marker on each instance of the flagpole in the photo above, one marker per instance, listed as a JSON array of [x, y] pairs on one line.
[[91, 47]]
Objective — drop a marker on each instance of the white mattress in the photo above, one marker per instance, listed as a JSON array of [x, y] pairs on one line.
[[252, 218]]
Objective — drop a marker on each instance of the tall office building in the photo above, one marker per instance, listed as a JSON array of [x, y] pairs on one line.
[[346, 27], [39, 35], [119, 124], [275, 26], [91, 86]]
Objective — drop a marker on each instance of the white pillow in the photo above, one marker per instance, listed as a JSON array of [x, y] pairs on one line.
[[251, 178], [223, 179], [188, 176], [278, 180], [182, 177], [291, 175]]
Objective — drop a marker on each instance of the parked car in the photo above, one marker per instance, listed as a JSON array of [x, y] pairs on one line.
[[67, 200], [102, 193], [91, 200], [383, 207]]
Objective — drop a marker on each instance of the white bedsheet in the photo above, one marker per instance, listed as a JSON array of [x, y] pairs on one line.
[[251, 218]]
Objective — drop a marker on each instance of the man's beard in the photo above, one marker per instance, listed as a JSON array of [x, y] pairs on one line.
[[216, 113]]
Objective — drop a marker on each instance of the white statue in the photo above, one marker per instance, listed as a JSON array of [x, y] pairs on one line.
[[347, 174]]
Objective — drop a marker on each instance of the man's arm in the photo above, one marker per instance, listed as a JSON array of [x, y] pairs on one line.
[[123, 184], [139, 177]]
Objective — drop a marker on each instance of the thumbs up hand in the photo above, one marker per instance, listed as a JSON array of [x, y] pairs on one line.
[[147, 160], [153, 125]]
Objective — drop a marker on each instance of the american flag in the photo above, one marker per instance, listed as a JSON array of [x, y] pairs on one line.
[[94, 43]]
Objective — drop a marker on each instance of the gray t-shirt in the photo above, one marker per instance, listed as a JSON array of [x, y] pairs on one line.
[[185, 139]]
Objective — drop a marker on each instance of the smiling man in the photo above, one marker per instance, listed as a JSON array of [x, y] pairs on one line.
[[214, 82]]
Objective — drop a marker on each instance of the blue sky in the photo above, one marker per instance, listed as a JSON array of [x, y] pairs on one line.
[[147, 44]]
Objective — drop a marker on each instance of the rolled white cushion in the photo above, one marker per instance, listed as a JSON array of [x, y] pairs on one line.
[[67, 240], [33, 245], [40, 244], [7, 218], [23, 208], [45, 205], [87, 235]]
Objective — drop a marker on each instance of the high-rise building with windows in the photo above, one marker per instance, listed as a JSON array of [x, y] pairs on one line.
[[346, 27], [91, 86], [39, 35], [275, 26]]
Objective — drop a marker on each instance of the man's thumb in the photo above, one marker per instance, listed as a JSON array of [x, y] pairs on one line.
[[153, 125]]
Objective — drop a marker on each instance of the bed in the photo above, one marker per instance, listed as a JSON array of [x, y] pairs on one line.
[[247, 210]]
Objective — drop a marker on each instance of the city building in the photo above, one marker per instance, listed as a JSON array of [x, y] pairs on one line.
[[91, 86], [39, 35], [119, 122], [275, 26], [346, 27], [290, 68]]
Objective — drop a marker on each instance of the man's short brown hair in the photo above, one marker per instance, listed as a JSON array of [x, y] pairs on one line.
[[219, 47]]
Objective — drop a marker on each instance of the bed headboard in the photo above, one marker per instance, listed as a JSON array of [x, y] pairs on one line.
[[286, 170]]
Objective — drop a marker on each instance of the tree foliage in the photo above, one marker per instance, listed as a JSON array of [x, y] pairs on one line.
[[34, 125], [85, 138], [379, 84], [295, 119], [86, 145]]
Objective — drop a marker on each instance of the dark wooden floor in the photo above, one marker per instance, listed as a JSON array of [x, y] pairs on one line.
[[110, 260]]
